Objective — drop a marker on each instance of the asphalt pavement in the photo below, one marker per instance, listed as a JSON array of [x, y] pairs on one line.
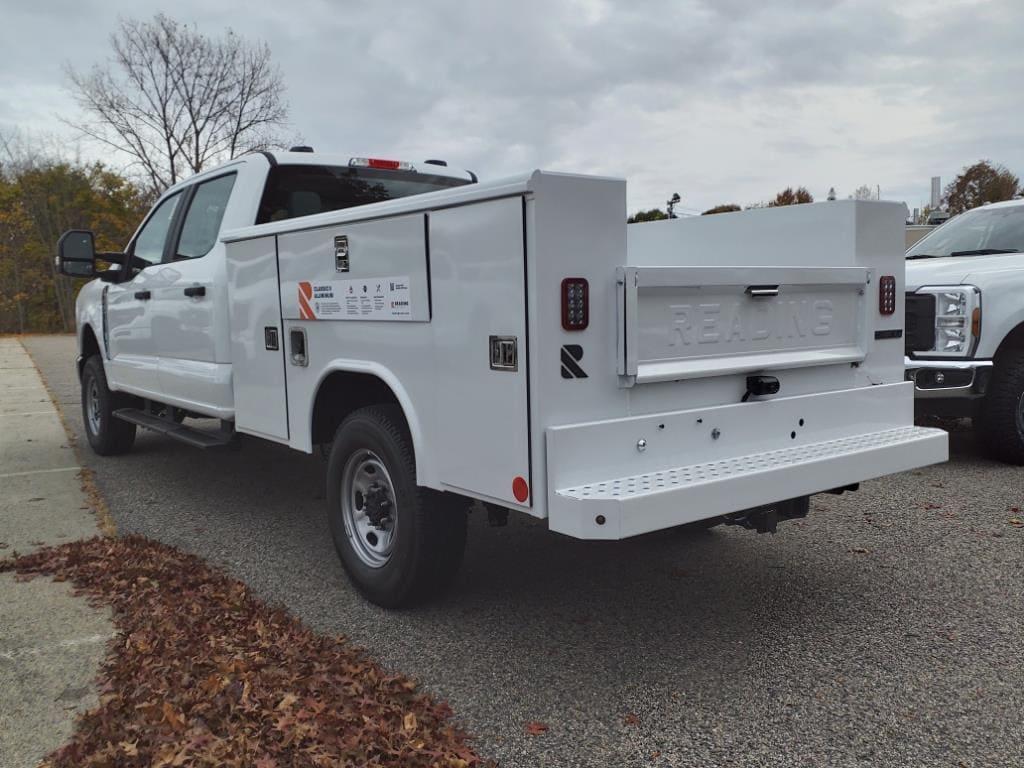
[[886, 629]]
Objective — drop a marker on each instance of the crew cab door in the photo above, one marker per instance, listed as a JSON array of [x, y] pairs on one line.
[[189, 311], [131, 340]]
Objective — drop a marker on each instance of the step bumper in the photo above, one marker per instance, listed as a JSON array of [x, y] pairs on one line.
[[619, 506]]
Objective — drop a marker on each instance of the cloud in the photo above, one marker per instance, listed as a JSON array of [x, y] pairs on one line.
[[720, 100]]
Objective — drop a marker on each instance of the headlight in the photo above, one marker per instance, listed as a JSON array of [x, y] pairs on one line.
[[957, 320]]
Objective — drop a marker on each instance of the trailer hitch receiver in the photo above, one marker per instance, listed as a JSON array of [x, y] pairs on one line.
[[765, 519]]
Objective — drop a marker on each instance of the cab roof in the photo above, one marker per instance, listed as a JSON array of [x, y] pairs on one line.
[[317, 158]]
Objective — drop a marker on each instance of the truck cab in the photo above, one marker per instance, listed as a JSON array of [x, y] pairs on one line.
[[965, 324], [163, 310]]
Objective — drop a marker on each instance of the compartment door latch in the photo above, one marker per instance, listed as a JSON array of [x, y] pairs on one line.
[[504, 353]]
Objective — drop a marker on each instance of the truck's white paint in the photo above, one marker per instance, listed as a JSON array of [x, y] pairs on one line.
[[999, 280], [488, 260]]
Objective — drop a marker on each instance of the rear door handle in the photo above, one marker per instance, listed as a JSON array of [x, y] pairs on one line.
[[762, 291], [142, 295], [196, 290]]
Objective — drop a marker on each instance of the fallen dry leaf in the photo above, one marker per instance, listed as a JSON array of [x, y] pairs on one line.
[[205, 674], [631, 719], [536, 728]]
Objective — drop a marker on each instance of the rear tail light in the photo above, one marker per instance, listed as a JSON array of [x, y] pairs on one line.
[[376, 162], [887, 295], [575, 304]]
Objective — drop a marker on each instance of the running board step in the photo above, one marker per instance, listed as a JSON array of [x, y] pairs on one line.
[[197, 438]]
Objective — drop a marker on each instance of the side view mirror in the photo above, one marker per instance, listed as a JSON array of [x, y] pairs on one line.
[[76, 253]]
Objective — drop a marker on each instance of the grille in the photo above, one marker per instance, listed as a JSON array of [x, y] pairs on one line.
[[920, 323]]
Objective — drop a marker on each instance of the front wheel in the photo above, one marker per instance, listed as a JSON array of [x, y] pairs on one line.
[[399, 543], [107, 434], [1002, 411]]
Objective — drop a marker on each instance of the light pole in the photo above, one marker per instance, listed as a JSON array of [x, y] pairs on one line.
[[671, 203]]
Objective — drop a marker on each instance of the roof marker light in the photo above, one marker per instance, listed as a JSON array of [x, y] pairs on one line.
[[381, 164]]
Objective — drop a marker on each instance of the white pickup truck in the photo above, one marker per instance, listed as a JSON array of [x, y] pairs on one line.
[[965, 324], [510, 343]]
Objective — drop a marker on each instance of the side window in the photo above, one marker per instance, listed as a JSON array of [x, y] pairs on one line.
[[149, 245], [205, 213]]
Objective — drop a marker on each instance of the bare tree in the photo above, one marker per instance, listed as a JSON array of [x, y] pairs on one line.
[[864, 192], [177, 101]]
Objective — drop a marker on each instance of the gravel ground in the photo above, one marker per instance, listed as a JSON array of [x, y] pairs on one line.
[[886, 629]]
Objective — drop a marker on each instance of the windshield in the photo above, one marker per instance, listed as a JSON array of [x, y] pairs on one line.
[[978, 232], [302, 190]]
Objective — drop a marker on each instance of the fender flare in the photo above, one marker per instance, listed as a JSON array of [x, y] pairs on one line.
[[388, 377]]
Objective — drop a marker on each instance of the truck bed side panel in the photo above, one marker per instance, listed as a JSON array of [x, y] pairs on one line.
[[461, 280]]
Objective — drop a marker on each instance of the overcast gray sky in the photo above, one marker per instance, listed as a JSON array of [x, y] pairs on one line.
[[720, 100]]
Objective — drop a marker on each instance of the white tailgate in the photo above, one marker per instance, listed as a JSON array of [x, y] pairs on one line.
[[689, 322]]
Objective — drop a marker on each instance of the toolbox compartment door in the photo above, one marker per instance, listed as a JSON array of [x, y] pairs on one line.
[[691, 322], [481, 352]]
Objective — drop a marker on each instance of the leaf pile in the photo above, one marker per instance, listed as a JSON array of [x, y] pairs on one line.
[[202, 673]]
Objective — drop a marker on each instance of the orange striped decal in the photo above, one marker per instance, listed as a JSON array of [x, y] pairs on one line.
[[305, 294]]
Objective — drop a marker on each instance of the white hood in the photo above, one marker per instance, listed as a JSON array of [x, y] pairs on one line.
[[948, 270]]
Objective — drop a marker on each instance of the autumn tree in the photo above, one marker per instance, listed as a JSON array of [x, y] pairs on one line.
[[724, 208], [654, 214], [979, 184], [38, 202], [18, 272], [175, 101], [789, 196]]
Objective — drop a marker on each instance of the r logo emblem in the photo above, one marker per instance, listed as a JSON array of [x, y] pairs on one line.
[[571, 356]]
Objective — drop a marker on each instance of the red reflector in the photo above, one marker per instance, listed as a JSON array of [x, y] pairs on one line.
[[520, 489], [887, 295], [575, 304], [390, 165]]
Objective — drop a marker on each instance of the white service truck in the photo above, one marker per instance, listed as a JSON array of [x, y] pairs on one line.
[[965, 324], [511, 343]]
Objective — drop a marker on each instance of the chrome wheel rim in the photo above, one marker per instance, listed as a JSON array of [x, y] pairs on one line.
[[368, 508], [92, 407]]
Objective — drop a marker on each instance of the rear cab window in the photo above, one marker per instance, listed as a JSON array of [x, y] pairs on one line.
[[201, 227], [304, 190]]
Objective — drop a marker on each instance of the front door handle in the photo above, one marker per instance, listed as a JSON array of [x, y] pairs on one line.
[[196, 290], [144, 295]]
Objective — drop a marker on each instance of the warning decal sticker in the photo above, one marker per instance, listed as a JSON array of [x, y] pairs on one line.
[[375, 298]]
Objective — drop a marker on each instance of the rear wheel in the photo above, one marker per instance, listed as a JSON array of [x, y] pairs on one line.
[[107, 434], [1002, 412], [399, 543]]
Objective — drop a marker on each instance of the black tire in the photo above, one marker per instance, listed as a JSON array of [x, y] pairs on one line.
[[1002, 412], [428, 529], [107, 435]]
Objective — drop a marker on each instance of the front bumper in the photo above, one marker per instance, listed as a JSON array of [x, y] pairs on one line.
[[604, 483], [967, 379]]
